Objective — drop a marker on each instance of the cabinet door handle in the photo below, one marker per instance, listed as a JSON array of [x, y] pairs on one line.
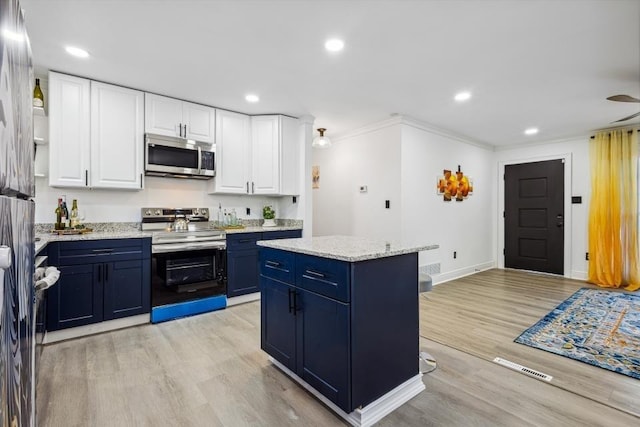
[[273, 264], [295, 301], [185, 131], [253, 187], [140, 180], [102, 250], [106, 273], [86, 177], [99, 272], [290, 303], [315, 273], [247, 187], [245, 240]]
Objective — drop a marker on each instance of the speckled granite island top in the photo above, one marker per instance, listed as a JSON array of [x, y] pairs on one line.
[[345, 248]]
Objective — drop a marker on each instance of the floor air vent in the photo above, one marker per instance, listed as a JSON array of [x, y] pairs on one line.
[[523, 369]]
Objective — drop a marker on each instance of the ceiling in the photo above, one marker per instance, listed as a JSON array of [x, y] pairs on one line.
[[546, 64]]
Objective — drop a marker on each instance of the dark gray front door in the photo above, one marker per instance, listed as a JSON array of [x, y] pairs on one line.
[[534, 216]]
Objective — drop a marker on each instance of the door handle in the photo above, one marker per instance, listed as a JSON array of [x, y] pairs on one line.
[[86, 177], [272, 264], [290, 303], [247, 187], [295, 301], [253, 187], [99, 272], [185, 130]]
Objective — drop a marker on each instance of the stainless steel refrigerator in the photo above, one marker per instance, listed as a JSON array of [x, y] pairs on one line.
[[16, 220]]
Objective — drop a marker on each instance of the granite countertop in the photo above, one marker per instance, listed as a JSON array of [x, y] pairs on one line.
[[260, 229], [45, 238], [345, 248]]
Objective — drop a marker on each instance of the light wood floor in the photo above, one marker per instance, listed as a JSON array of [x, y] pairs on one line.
[[208, 370], [482, 314]]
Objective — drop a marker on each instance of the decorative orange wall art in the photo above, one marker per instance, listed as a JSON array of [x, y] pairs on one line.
[[454, 185]]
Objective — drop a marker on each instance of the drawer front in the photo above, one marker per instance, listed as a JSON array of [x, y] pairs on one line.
[[242, 241], [283, 234], [278, 265], [323, 276], [97, 251]]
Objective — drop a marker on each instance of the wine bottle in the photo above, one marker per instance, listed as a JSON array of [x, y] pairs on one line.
[[38, 97], [65, 215], [58, 225], [74, 221]]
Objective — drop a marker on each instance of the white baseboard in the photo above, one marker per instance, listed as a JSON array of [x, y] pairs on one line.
[[96, 328], [579, 275], [243, 298], [456, 274], [373, 412]]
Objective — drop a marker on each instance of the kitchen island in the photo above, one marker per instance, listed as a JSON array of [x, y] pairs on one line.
[[340, 316]]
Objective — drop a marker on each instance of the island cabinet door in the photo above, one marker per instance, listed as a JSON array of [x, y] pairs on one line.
[[323, 337], [278, 321]]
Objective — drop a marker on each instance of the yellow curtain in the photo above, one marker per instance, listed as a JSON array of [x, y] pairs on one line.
[[613, 214]]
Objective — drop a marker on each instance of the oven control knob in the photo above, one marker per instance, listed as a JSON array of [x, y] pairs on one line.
[[147, 212], [158, 212], [196, 211], [204, 211]]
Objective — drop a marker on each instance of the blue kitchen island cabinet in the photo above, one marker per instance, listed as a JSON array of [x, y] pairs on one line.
[[340, 315], [99, 280]]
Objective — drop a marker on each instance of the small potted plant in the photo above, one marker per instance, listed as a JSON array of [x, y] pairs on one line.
[[269, 216]]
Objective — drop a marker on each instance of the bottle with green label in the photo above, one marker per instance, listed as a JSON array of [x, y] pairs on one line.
[[58, 225]]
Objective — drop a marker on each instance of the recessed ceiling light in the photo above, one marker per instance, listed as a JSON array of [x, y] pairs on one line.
[[76, 51], [12, 35], [462, 96], [531, 131], [252, 98], [334, 45]]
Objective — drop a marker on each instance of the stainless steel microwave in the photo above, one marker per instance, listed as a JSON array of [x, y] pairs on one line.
[[178, 157]]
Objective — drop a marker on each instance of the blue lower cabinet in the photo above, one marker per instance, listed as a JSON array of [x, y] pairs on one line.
[[126, 289], [76, 299], [91, 292], [243, 272], [278, 336]]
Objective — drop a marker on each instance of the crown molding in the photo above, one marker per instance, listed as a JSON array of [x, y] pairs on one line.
[[414, 123], [584, 136]]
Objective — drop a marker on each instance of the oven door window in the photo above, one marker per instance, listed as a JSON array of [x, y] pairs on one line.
[[172, 156], [187, 275]]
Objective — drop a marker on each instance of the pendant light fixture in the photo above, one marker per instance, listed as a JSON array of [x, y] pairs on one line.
[[321, 141]]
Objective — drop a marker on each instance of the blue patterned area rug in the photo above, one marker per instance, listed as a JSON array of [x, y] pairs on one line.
[[598, 327]]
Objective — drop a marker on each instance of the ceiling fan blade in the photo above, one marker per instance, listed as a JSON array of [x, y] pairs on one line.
[[623, 98], [627, 118]]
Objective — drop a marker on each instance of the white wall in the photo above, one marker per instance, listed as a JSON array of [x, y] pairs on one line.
[[124, 206], [577, 183], [399, 160], [369, 159], [464, 227]]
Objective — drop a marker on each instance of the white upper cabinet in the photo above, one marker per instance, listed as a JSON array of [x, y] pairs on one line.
[[172, 117], [96, 133], [257, 155], [265, 154], [232, 153], [117, 130], [69, 132]]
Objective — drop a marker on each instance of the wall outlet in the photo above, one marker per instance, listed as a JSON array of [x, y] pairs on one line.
[[363, 189], [586, 256], [248, 211], [295, 199], [387, 204]]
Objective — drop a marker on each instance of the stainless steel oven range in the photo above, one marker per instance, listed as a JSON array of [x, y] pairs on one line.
[[188, 262]]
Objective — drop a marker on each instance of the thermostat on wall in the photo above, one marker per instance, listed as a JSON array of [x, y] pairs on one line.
[[363, 188]]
